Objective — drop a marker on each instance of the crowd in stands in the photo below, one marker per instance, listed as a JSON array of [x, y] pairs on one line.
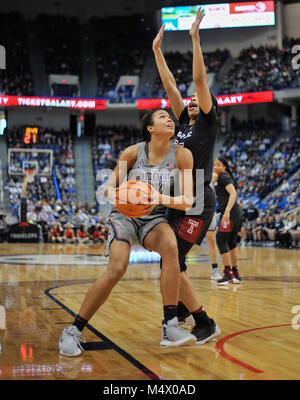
[[269, 219], [60, 182], [68, 223], [258, 170], [60, 43], [261, 68], [121, 47], [181, 64], [270, 227], [16, 78], [107, 144], [286, 198]]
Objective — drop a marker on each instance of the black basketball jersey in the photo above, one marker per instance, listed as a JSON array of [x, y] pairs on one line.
[[200, 138], [221, 192]]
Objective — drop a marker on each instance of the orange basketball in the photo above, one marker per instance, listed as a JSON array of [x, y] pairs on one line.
[[129, 201]]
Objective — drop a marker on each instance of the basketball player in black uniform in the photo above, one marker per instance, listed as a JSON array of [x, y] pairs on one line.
[[198, 131], [230, 220]]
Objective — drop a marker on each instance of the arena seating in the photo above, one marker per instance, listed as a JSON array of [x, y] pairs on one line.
[[261, 68], [17, 79]]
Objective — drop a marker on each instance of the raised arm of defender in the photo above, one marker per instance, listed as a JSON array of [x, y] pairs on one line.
[[167, 77], [199, 71]]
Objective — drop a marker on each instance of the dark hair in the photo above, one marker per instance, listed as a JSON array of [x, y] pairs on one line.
[[226, 164], [143, 123]]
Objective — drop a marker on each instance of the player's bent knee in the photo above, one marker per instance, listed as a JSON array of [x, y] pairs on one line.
[[116, 272], [169, 249]]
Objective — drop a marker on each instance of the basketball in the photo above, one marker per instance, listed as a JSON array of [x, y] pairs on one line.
[[130, 200]]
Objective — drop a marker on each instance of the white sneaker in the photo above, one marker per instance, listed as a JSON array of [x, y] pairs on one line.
[[189, 321], [173, 335], [215, 274], [69, 343]]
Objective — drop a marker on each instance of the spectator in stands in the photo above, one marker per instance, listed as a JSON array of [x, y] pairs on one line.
[[44, 228], [3, 227], [49, 218], [270, 229], [295, 231], [56, 234], [285, 237], [98, 235], [257, 230], [31, 216], [81, 218], [285, 186], [69, 234], [251, 216], [279, 228], [82, 234]]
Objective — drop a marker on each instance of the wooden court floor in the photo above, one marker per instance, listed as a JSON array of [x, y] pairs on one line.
[[43, 285]]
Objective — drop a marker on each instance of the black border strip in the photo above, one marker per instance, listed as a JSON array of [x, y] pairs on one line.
[[112, 345]]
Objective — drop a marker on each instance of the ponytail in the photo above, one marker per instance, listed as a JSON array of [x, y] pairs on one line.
[[142, 126], [228, 169]]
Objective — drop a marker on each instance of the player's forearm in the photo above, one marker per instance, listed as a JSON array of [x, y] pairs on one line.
[[183, 203], [165, 74], [199, 70], [231, 202]]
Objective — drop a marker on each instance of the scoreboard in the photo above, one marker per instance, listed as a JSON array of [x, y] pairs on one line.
[[30, 135]]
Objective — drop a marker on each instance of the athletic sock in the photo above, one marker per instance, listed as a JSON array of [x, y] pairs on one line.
[[181, 309], [170, 312], [235, 270], [80, 322], [227, 269], [200, 316], [214, 266]]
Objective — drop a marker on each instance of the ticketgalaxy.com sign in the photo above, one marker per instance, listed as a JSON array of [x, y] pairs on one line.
[[141, 104], [53, 102]]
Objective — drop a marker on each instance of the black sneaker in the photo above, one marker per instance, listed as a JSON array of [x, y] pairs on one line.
[[227, 278], [206, 332], [236, 275], [236, 278]]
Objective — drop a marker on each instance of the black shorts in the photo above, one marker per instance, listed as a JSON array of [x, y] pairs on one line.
[[236, 220], [193, 228]]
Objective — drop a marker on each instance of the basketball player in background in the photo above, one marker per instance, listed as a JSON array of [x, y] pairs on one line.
[[212, 248], [144, 159], [197, 132], [230, 220]]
